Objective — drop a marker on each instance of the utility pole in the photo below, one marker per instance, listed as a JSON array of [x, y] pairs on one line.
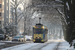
[[25, 18], [60, 34], [8, 11], [24, 24], [15, 16], [5, 6]]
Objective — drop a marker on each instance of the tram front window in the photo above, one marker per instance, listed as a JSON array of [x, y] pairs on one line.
[[38, 31]]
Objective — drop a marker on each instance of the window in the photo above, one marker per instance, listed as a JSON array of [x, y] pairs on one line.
[[0, 13], [0, 22], [1, 35], [0, 5], [38, 31]]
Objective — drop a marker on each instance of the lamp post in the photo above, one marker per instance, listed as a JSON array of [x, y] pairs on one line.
[[15, 16], [5, 20], [8, 11]]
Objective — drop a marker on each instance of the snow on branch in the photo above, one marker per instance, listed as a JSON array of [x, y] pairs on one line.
[[63, 16]]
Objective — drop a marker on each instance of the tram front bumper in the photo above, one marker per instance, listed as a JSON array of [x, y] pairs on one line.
[[42, 40], [38, 40]]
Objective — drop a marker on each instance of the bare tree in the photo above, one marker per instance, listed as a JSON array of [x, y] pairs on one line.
[[16, 16]]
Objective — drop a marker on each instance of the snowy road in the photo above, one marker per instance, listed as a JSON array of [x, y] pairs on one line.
[[50, 45], [5, 44], [39, 46]]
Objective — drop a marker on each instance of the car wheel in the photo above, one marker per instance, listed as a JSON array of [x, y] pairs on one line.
[[22, 40], [19, 40]]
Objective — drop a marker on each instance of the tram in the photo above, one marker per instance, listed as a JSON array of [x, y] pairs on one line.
[[40, 33]]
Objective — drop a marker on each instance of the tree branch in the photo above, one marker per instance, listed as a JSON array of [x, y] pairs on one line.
[[19, 19]]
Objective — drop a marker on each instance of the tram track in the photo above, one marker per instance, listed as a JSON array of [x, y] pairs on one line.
[[57, 46], [38, 46], [31, 46]]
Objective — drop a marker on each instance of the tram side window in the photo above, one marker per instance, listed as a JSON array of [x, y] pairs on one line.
[[45, 31]]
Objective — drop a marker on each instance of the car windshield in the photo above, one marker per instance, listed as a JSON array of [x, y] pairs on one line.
[[17, 37], [21, 36], [1, 35]]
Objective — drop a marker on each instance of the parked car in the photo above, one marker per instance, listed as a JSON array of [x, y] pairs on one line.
[[19, 38], [28, 38], [1, 37]]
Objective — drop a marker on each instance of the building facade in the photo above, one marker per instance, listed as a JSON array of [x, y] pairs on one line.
[[1, 13]]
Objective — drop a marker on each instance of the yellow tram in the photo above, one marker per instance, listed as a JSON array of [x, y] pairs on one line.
[[39, 33]]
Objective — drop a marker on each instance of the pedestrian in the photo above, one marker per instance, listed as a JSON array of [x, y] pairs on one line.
[[4, 36]]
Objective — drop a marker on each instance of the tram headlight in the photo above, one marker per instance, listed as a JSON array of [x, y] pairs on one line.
[[43, 27]]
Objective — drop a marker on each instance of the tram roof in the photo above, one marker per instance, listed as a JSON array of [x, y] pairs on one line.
[[39, 24]]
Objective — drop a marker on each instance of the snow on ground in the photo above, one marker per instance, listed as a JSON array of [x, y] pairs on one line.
[[21, 47], [63, 45], [2, 43], [57, 40], [10, 42], [50, 46], [5, 41]]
